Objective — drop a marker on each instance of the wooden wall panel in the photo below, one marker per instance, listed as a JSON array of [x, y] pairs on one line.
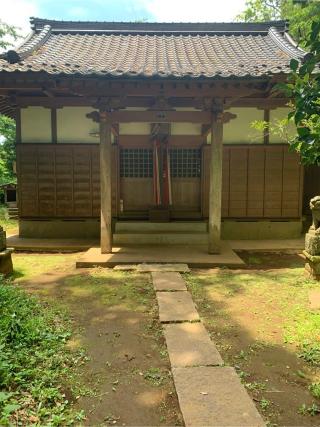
[[259, 181], [46, 181], [238, 176], [64, 181], [225, 183], [27, 171], [256, 183], [291, 184], [58, 180], [273, 182], [311, 186]]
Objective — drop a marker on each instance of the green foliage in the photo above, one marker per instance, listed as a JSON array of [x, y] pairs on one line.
[[303, 87], [5, 222], [312, 410], [315, 390], [34, 362], [301, 14], [5, 31], [7, 149]]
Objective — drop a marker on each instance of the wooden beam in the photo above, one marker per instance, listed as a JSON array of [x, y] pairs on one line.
[[105, 184], [54, 133], [142, 101], [256, 102], [18, 126], [160, 116], [266, 130], [215, 187]]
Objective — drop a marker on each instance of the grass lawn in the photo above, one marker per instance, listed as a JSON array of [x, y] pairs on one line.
[[116, 369], [259, 317], [9, 225]]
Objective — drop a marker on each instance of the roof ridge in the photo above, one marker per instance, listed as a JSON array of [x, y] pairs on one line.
[[286, 43], [33, 43], [158, 27]]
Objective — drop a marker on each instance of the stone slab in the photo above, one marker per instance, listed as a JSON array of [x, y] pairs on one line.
[[214, 396], [125, 267], [189, 344], [314, 300], [168, 281], [182, 268], [195, 256], [176, 307]]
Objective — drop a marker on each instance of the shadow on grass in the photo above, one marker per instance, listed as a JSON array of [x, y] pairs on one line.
[[115, 319], [245, 318]]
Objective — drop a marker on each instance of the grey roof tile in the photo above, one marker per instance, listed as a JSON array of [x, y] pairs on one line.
[[162, 50]]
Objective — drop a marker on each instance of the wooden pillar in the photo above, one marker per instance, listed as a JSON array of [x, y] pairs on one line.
[[105, 184], [215, 190]]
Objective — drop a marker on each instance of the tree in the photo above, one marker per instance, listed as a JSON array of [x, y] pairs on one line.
[[300, 13], [7, 125], [5, 32], [7, 149], [303, 87]]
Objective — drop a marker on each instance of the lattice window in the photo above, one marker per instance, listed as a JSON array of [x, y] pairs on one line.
[[185, 162], [136, 163]]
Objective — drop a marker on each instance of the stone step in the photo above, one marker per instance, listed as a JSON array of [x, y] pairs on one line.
[[189, 344], [214, 396], [176, 307], [147, 226], [164, 238], [168, 281]]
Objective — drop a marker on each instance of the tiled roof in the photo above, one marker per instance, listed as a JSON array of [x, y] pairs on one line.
[[154, 49]]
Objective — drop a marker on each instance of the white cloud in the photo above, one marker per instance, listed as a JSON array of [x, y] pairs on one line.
[[194, 11], [18, 12]]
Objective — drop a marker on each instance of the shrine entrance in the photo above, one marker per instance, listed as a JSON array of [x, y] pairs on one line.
[[158, 176]]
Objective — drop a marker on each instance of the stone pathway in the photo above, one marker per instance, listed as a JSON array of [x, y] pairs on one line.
[[209, 393]]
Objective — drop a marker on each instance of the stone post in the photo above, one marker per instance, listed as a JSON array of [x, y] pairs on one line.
[[6, 266], [312, 241]]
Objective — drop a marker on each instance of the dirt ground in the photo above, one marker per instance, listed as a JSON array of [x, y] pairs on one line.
[[126, 379], [258, 317]]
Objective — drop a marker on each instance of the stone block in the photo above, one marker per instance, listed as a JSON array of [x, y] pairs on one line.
[[189, 344], [214, 396], [176, 307], [168, 281], [6, 266], [312, 243], [3, 243]]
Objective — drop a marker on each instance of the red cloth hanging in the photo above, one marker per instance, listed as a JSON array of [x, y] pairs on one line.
[[156, 174]]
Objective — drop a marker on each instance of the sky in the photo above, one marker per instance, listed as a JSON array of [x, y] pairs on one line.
[[18, 12]]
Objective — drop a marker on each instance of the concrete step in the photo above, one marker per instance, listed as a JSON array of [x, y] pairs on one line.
[[164, 238], [174, 226]]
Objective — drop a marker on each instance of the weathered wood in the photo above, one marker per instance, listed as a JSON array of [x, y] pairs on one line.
[[18, 126], [141, 101], [215, 188], [105, 184], [160, 116], [54, 132]]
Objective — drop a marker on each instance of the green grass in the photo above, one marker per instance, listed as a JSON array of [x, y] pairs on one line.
[[132, 290], [31, 265], [283, 292], [5, 222], [35, 365]]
